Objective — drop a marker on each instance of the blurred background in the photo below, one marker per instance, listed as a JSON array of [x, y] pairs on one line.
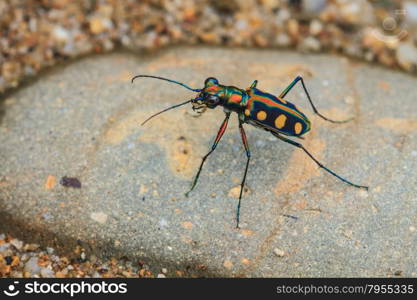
[[38, 33]]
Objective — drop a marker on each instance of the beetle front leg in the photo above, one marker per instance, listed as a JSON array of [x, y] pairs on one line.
[[216, 141]]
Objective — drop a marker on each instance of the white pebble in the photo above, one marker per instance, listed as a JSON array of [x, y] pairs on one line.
[[99, 217], [60, 33], [32, 266], [315, 27], [47, 273], [17, 244], [410, 9], [407, 56], [279, 252]]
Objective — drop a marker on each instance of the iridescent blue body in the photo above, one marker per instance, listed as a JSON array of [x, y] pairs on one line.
[[261, 109], [255, 107]]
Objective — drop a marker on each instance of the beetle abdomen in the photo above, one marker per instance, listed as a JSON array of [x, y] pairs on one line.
[[277, 114]]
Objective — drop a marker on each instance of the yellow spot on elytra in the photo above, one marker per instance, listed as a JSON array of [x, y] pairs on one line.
[[280, 121], [261, 115], [298, 127], [247, 112]]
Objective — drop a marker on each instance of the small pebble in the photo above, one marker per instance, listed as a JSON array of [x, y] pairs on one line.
[[315, 27], [99, 217], [17, 244], [410, 15], [313, 7], [70, 182], [310, 44], [47, 273], [279, 252], [407, 56], [32, 267]]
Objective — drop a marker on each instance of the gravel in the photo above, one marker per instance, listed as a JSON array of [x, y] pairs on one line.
[[26, 260], [34, 36]]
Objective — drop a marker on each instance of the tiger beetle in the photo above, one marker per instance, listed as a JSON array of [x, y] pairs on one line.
[[255, 107]]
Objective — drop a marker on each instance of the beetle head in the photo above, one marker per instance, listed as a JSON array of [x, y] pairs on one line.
[[209, 97]]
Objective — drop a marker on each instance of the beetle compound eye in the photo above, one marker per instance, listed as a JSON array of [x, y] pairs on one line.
[[213, 100]]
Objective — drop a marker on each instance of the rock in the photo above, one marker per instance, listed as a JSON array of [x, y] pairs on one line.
[[313, 7], [16, 243], [316, 27], [32, 267], [4, 247], [359, 12], [407, 56], [47, 273], [60, 34], [41, 135], [310, 44], [283, 40], [99, 24], [99, 217], [279, 252], [31, 247], [410, 15]]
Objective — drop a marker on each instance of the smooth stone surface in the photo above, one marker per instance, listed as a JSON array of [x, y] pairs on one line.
[[83, 120]]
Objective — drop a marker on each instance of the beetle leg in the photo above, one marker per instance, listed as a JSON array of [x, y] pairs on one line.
[[299, 78], [242, 185], [216, 141], [316, 161]]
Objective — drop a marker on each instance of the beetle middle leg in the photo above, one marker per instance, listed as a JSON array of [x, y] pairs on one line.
[[242, 185], [316, 161], [299, 78], [216, 141]]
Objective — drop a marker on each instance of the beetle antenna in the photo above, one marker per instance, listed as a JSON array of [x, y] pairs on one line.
[[170, 80], [169, 108]]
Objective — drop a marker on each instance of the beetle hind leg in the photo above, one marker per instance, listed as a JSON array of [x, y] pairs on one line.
[[316, 161], [292, 84], [242, 185]]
